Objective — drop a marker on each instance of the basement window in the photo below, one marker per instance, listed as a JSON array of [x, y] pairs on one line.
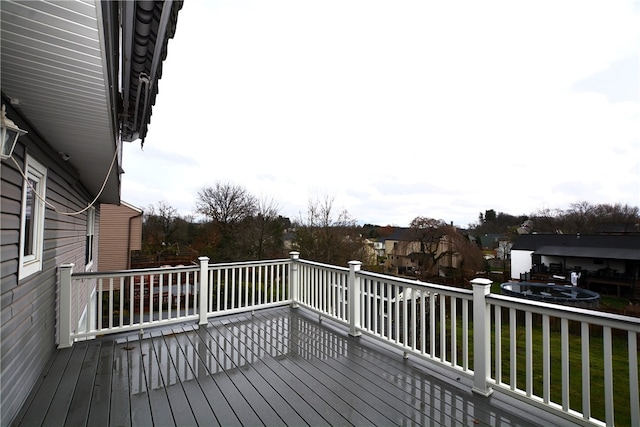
[[32, 218]]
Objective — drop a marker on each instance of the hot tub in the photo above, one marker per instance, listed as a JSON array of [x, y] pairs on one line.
[[549, 292]]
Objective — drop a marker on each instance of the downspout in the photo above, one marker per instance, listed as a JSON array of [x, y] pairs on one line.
[[142, 78], [129, 239], [127, 15]]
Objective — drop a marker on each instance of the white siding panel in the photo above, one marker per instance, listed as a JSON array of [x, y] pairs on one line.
[[520, 263]]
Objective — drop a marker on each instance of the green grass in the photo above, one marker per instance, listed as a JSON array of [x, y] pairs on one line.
[[619, 359], [613, 304], [620, 364]]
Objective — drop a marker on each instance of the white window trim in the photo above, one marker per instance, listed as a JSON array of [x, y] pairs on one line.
[[31, 264], [91, 228]]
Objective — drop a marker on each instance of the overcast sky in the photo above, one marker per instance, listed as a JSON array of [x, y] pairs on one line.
[[397, 109]]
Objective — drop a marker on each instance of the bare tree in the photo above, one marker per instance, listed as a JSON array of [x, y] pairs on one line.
[[245, 227], [585, 217], [426, 236], [434, 241], [626, 215], [326, 237], [160, 223], [547, 220], [579, 218], [165, 233], [225, 203], [262, 233]]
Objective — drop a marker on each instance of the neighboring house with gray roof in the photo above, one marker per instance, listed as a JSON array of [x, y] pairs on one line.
[[607, 261]]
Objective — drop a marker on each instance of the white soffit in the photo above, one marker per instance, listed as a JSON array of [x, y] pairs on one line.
[[53, 62]]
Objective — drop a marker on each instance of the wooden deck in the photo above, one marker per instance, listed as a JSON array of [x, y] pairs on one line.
[[277, 367]]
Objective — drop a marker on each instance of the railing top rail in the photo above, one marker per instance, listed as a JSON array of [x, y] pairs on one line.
[[444, 289], [171, 269], [571, 313], [321, 265], [134, 272], [247, 263]]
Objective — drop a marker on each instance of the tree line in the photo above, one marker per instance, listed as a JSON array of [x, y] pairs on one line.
[[580, 217], [238, 226]]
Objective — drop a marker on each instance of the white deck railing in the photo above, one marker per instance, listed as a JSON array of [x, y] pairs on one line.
[[536, 352], [138, 299], [561, 349]]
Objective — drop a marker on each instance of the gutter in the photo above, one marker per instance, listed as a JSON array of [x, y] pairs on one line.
[[157, 59]]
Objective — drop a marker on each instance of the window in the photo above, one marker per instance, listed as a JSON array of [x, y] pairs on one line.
[[32, 218], [91, 221]]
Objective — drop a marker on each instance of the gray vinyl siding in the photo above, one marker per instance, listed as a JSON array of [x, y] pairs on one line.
[[28, 306]]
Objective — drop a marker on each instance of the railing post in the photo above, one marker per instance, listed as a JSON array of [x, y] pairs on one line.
[[64, 307], [481, 337], [294, 280], [204, 289], [353, 299]]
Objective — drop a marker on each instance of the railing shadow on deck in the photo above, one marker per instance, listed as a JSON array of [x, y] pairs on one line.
[[557, 358]]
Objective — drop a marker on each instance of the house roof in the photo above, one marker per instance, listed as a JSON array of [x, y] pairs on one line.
[[61, 72], [586, 246], [130, 206], [490, 239], [590, 252]]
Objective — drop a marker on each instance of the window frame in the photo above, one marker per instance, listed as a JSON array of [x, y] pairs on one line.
[[32, 263], [90, 237]]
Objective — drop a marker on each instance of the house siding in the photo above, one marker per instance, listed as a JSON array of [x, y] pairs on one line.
[[520, 262], [121, 233], [28, 306]]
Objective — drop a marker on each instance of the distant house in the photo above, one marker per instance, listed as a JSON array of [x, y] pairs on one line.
[[369, 252], [378, 247], [496, 248], [404, 253], [491, 240], [80, 78], [120, 233], [609, 262]]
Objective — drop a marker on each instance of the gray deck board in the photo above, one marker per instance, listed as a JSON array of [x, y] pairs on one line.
[[61, 401], [231, 394], [78, 412], [264, 408], [374, 403], [194, 394], [139, 377], [180, 408], [119, 402], [395, 384], [276, 367], [38, 403], [101, 397], [279, 398], [222, 412]]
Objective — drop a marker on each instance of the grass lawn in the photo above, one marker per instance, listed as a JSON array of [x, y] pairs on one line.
[[596, 360], [620, 361]]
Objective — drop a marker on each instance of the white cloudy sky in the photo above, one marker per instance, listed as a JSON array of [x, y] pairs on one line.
[[397, 109]]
